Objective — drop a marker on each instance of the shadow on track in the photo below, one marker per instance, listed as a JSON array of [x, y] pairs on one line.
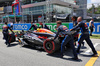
[[39, 49], [68, 52], [12, 45]]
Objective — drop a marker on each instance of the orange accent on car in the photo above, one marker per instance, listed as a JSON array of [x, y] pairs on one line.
[[41, 30]]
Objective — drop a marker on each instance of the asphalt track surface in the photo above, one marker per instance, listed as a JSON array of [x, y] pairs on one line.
[[28, 56]]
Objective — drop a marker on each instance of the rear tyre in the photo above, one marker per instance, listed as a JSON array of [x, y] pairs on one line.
[[51, 46]]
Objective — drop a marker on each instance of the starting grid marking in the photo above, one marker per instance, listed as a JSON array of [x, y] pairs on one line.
[[93, 59]]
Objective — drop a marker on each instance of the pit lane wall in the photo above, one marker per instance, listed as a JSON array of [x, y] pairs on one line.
[[52, 26]]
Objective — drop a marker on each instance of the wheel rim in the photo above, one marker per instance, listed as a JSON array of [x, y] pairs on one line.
[[49, 46]]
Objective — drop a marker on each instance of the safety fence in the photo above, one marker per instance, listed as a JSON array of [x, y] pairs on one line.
[[52, 26]]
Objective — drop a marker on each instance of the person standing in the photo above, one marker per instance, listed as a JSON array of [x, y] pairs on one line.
[[11, 25], [74, 19], [33, 26], [44, 25], [6, 33], [84, 36], [91, 26]]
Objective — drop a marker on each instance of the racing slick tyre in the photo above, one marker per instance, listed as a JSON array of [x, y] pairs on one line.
[[51, 46]]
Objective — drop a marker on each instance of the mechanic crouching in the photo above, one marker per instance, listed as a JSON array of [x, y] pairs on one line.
[[84, 36], [6, 33], [67, 40]]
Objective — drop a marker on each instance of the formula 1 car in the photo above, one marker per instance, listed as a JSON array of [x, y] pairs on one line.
[[36, 37], [42, 37]]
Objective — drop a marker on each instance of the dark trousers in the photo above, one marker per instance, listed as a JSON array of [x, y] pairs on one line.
[[68, 40], [91, 30], [86, 37], [11, 27], [6, 38]]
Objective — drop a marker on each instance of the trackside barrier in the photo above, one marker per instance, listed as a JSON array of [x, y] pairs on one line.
[[52, 26], [96, 29]]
